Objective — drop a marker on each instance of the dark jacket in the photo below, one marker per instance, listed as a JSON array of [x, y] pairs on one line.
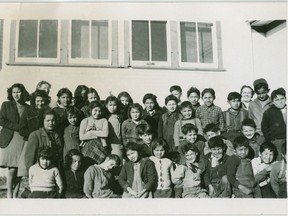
[[9, 120], [148, 174], [153, 119]]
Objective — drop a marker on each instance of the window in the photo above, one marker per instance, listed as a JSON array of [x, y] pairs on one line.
[[198, 44], [149, 43], [90, 41], [38, 41]]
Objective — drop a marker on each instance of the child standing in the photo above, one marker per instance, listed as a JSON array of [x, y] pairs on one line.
[[274, 120], [167, 121], [189, 174], [193, 96], [210, 113], [93, 132], [187, 117], [128, 128], [247, 94], [125, 102], [146, 135], [234, 116], [44, 178], [177, 92], [258, 106], [138, 176], [239, 170], [92, 95], [164, 168]]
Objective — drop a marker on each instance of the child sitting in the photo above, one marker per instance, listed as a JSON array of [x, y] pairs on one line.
[[274, 120], [239, 170], [44, 178], [98, 182], [193, 96], [262, 166], [234, 116], [212, 130], [146, 135], [255, 139], [247, 94], [278, 175], [189, 174], [186, 112], [190, 136], [177, 92], [215, 177]]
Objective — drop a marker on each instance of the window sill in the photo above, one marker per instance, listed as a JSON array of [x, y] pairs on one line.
[[179, 68]]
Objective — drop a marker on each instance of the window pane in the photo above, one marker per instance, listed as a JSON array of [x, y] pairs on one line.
[[80, 39], [158, 41], [140, 40], [205, 42], [188, 42], [99, 40], [27, 44], [48, 38]]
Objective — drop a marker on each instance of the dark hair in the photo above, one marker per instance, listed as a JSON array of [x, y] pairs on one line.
[[74, 111], [212, 127], [47, 153], [246, 86], [127, 95], [64, 91], [175, 87], [248, 122], [169, 98], [271, 147], [174, 156], [153, 98], [186, 104], [189, 146], [115, 158], [279, 91], [50, 112], [143, 129], [261, 85], [234, 95], [94, 104], [42, 82], [135, 106], [112, 98], [241, 141], [208, 90], [68, 157], [188, 127], [92, 91], [24, 94], [159, 142], [133, 146], [42, 94], [217, 141], [193, 90]]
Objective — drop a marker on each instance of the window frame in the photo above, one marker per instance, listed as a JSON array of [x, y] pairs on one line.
[[38, 59], [90, 60]]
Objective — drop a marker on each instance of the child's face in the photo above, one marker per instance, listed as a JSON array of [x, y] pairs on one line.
[[186, 112], [44, 163], [159, 152], [45, 87], [76, 162], [72, 119], [267, 156], [135, 114], [208, 99], [235, 103], [190, 156], [91, 97], [16, 93], [279, 101], [110, 165], [242, 151], [177, 94], [83, 94], [246, 94], [39, 103], [64, 100], [171, 106], [262, 94], [96, 112], [124, 100], [149, 104], [49, 122], [211, 134], [248, 131], [217, 152], [191, 136], [146, 138], [132, 155], [112, 106], [194, 98]]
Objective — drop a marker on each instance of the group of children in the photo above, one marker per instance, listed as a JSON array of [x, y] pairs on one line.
[[115, 148]]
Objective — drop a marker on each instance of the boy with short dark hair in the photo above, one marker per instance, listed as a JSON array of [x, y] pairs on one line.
[[177, 92], [193, 96], [146, 135], [259, 105], [239, 170]]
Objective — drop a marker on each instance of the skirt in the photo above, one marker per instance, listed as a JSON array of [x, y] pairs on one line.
[[94, 150], [9, 156], [22, 169]]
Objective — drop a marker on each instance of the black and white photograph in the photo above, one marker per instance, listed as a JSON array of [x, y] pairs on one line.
[[143, 107]]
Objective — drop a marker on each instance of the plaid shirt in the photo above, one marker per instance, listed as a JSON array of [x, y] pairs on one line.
[[212, 114]]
